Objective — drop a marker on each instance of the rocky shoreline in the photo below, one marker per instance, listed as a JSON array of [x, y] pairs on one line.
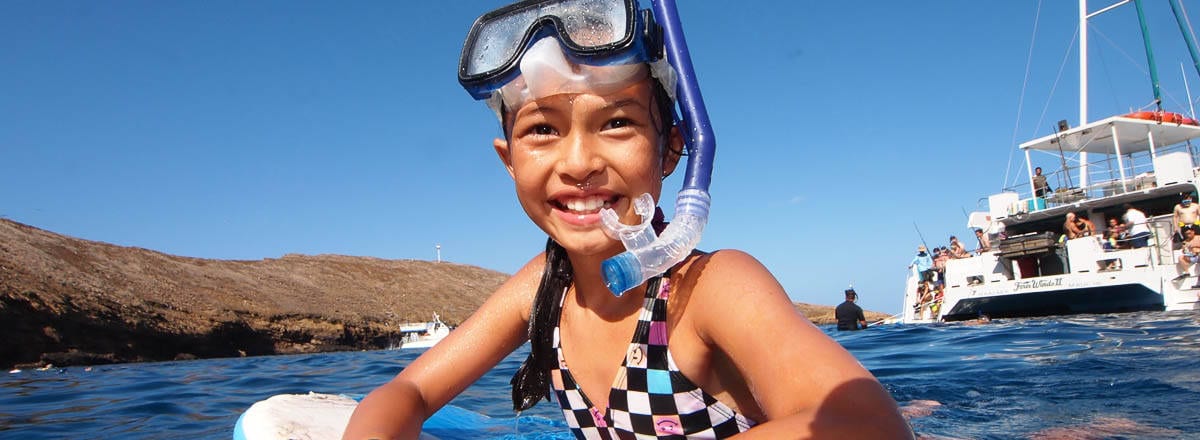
[[66, 301]]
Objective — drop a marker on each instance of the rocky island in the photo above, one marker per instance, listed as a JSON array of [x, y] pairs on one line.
[[68, 301]]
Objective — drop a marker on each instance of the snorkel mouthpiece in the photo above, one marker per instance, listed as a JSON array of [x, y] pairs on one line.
[[648, 256]]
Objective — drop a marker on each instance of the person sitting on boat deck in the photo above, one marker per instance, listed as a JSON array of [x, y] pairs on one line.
[[1071, 228], [1135, 223], [849, 315], [936, 304], [1186, 213], [924, 296], [985, 245], [923, 262], [1040, 187], [1077, 226], [1114, 235], [957, 250], [1085, 225], [1191, 254]]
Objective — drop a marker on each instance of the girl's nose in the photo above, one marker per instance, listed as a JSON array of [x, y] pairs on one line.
[[579, 160]]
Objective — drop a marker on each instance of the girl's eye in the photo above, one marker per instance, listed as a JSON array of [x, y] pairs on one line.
[[618, 123], [542, 130]]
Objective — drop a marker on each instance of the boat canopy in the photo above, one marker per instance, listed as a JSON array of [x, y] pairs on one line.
[[1130, 135]]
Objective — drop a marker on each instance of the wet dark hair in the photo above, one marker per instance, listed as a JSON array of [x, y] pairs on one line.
[[531, 383]]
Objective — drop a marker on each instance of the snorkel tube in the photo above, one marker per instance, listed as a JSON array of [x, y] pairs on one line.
[[648, 255]]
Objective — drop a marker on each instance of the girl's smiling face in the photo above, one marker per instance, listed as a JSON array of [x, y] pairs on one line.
[[571, 155]]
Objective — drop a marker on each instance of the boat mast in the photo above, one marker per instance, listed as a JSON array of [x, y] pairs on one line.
[[1188, 38], [1083, 88], [1149, 56]]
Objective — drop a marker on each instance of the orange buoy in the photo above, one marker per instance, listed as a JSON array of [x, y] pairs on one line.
[[1163, 117], [1149, 116]]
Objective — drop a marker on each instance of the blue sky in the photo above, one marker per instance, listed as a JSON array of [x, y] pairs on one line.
[[246, 130]]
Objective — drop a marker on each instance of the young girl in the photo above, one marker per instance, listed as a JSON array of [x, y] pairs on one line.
[[711, 348]]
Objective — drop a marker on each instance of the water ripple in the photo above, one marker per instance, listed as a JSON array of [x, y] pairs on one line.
[[1123, 376]]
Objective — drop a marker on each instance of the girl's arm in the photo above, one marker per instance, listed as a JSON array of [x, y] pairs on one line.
[[805, 383], [397, 409]]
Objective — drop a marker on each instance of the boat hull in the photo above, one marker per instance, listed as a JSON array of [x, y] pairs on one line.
[[1098, 299]]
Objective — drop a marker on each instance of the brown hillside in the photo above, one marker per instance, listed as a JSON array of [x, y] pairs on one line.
[[69, 301]]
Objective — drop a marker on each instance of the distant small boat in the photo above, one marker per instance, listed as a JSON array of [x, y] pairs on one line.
[[423, 334]]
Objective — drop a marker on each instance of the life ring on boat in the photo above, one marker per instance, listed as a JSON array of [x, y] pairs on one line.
[[1162, 117]]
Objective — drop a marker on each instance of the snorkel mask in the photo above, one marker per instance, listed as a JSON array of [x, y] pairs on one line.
[[510, 57]]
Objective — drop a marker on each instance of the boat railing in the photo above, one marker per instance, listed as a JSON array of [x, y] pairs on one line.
[[1106, 181], [1105, 178]]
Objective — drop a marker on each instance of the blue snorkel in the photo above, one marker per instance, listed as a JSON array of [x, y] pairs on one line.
[[648, 255]]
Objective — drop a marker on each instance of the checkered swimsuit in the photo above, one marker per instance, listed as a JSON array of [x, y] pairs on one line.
[[650, 398]]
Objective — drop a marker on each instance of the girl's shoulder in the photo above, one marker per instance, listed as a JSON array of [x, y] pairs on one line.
[[713, 279], [721, 261]]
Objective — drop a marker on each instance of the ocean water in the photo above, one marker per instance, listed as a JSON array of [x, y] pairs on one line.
[[1082, 377]]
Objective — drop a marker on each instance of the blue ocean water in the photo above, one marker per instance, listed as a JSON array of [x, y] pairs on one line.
[[1089, 376]]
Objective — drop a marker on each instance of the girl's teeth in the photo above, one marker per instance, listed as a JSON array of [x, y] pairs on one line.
[[587, 204]]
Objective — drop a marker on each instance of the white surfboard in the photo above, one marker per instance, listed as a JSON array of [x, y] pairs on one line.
[[315, 416]]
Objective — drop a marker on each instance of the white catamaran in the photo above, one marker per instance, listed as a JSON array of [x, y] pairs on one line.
[[1144, 159], [423, 334]]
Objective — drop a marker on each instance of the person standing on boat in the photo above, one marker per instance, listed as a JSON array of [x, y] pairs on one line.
[[1040, 187], [1135, 223], [940, 257], [985, 245], [849, 315], [924, 264]]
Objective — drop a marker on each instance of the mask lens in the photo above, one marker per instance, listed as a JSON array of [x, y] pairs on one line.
[[496, 42], [594, 23], [497, 39]]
